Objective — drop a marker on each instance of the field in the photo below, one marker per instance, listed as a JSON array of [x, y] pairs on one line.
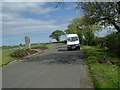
[[103, 67]]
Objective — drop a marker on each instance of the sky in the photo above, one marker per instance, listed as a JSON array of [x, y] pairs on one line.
[[36, 20]]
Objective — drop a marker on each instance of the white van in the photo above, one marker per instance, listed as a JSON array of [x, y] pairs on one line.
[[73, 42]]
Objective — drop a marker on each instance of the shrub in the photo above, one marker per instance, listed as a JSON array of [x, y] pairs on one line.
[[98, 41], [22, 53], [19, 53], [112, 42]]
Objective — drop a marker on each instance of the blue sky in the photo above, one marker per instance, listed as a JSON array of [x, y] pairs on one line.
[[36, 20]]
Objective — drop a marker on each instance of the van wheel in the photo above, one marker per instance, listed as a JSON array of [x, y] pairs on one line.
[[78, 48]]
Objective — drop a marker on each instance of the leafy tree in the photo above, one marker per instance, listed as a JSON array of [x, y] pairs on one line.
[[80, 26], [104, 13], [74, 28], [56, 35], [88, 34], [112, 42]]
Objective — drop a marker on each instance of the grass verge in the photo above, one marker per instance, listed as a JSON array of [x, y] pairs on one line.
[[6, 58], [101, 67], [11, 55]]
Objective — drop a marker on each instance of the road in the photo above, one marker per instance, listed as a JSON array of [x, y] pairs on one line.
[[55, 68]]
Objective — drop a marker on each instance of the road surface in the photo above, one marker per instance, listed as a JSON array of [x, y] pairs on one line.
[[55, 68]]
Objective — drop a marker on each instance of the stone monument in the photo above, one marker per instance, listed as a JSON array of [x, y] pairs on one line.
[[27, 42]]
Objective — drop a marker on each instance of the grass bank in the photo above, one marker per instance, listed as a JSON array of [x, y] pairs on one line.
[[6, 58], [103, 67], [11, 55]]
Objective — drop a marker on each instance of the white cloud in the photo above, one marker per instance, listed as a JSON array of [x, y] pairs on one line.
[[21, 25], [14, 23], [32, 7]]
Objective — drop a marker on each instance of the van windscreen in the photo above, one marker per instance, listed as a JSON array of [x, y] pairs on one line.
[[71, 39]]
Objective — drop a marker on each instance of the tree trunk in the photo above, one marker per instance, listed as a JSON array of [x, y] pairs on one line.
[[116, 26]]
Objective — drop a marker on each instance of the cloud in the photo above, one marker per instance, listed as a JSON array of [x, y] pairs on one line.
[[15, 7], [15, 23]]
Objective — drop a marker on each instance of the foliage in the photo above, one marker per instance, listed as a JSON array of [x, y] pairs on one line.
[[73, 29], [80, 26], [112, 42], [104, 74], [6, 54], [56, 35], [88, 34], [98, 41], [19, 53], [106, 13]]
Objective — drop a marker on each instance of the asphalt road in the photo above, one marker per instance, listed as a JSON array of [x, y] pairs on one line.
[[55, 68]]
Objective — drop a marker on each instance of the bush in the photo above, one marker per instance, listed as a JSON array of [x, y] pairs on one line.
[[19, 53], [22, 53], [112, 42], [98, 41]]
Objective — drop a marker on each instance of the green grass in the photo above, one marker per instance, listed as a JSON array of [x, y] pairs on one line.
[[5, 54], [6, 58], [105, 75], [8, 47], [39, 46], [49, 45]]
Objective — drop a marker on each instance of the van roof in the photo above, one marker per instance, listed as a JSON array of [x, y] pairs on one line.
[[72, 35]]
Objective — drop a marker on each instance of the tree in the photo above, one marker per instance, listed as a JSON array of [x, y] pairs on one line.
[[112, 42], [80, 26], [56, 35], [74, 27], [105, 13], [88, 34]]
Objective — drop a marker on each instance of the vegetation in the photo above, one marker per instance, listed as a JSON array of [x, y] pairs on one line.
[[6, 58], [22, 53], [104, 13], [103, 71], [80, 27], [73, 28], [7, 47], [88, 34], [11, 55], [56, 35], [39, 47], [112, 42], [103, 53]]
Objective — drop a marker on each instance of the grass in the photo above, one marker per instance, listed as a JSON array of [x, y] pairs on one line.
[[8, 47], [49, 45], [104, 74], [5, 54], [6, 58]]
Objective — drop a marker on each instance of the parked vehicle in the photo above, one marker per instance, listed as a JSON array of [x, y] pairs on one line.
[[73, 42]]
